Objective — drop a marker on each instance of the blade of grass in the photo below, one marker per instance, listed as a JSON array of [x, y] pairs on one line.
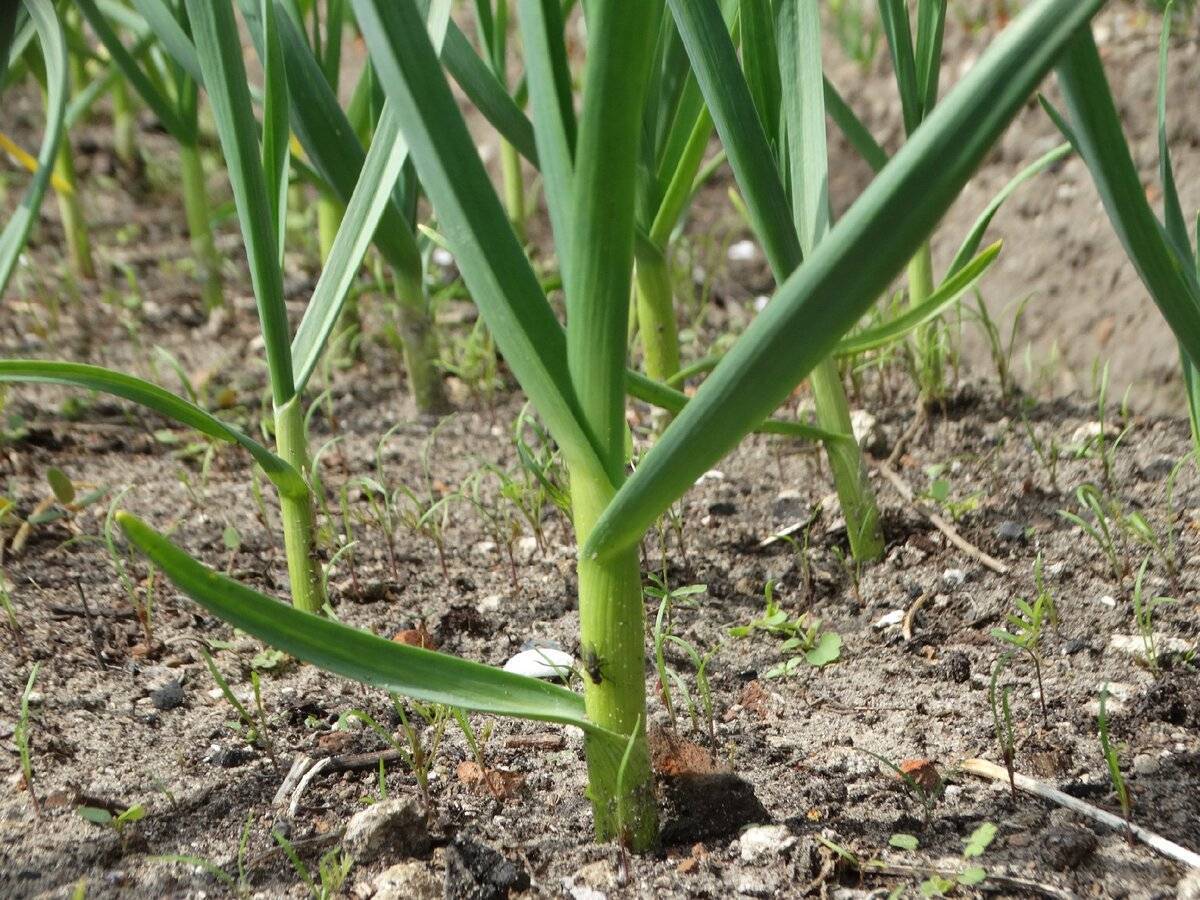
[[848, 270], [411, 671], [496, 271], [54, 53], [151, 396], [220, 53]]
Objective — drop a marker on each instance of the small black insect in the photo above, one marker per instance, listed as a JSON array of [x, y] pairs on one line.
[[592, 664]]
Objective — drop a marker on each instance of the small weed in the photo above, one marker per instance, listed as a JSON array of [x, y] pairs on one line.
[[940, 884], [416, 754], [941, 491], [1112, 759], [1143, 616], [240, 886], [668, 597], [117, 822], [253, 728], [1026, 635], [1002, 720], [1100, 528], [21, 738], [332, 869], [803, 637]]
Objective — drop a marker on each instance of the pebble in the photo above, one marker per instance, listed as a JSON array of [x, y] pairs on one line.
[[866, 429], [1145, 764], [953, 578], [759, 840], [890, 620], [753, 885], [392, 826], [409, 880], [490, 603], [230, 757], [168, 695], [476, 870], [1107, 600], [442, 257], [1010, 531], [956, 666], [1189, 887], [1065, 847], [541, 662], [590, 881], [1163, 644], [743, 251], [722, 508]]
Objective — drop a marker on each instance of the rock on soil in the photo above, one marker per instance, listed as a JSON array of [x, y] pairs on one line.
[[394, 826]]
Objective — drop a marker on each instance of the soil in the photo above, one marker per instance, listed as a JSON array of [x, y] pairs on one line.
[[118, 720]]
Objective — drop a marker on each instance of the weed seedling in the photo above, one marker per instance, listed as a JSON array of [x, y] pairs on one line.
[[658, 589], [1048, 452], [332, 869], [1026, 635], [802, 636], [416, 754], [117, 822], [1002, 721], [240, 885], [1112, 760], [1143, 616], [1099, 529], [926, 794], [253, 728], [21, 736], [940, 884]]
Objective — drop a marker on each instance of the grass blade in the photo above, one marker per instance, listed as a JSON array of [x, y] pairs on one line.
[[171, 35], [1095, 129], [54, 52], [974, 238], [856, 262], [598, 283], [158, 102], [715, 63], [496, 271], [552, 104], [220, 53], [410, 671], [893, 15], [151, 396], [915, 316], [382, 167], [484, 89]]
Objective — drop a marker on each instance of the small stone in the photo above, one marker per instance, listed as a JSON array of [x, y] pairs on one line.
[[1010, 531], [1092, 430], [1164, 644], [230, 757], [956, 666], [1189, 887], [1144, 764], [393, 826], [409, 880], [890, 620], [527, 546], [743, 251], [541, 662], [168, 695], [711, 475], [476, 871], [722, 508], [866, 429], [759, 840], [1107, 600], [1065, 847], [490, 603], [753, 885], [1075, 645], [953, 578], [590, 882]]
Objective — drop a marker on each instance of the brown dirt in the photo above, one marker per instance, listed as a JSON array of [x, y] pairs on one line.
[[787, 751]]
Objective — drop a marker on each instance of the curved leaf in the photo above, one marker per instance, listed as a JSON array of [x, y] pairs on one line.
[[949, 291], [855, 263], [151, 396], [54, 52], [975, 237], [420, 674]]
